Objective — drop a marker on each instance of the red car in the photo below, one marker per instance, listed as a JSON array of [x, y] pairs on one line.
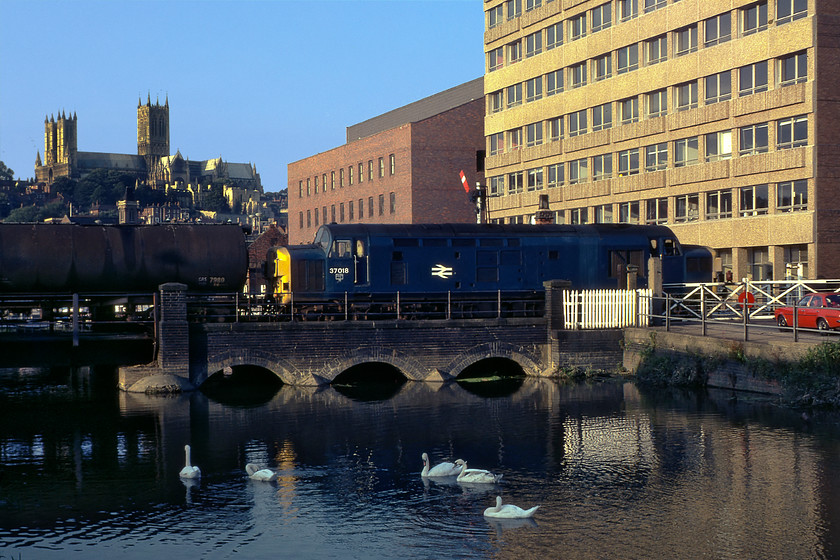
[[814, 311]]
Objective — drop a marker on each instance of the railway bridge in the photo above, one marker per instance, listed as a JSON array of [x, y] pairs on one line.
[[315, 353]]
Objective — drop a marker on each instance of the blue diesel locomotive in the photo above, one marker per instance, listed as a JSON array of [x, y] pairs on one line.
[[358, 264]]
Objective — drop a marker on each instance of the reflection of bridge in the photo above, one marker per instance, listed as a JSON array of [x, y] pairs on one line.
[[315, 353]]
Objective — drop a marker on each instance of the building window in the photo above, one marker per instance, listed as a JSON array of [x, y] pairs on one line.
[[534, 134], [533, 44], [792, 132], [657, 103], [651, 5], [393, 163], [578, 171], [300, 189], [381, 167], [332, 213], [300, 215], [370, 170], [718, 87], [495, 59], [629, 110], [628, 162], [515, 181], [656, 50], [309, 218], [553, 36], [350, 175], [601, 17], [381, 204], [796, 261], [601, 167], [308, 186], [752, 78], [577, 27], [361, 172], [556, 175], [497, 185], [754, 201], [754, 18], [760, 266], [497, 143], [656, 211], [554, 82], [685, 40], [340, 212], [718, 30], [602, 117], [514, 139], [514, 52], [686, 208], [513, 8], [628, 58], [533, 89], [628, 9], [628, 213], [495, 16], [535, 179], [604, 214], [685, 152], [332, 180], [577, 123], [370, 206], [656, 157], [361, 208], [350, 210], [602, 67], [686, 96], [514, 95], [577, 75], [793, 69], [324, 214], [753, 139], [555, 128], [341, 178], [719, 204], [392, 197], [792, 196], [578, 216], [719, 145], [789, 10], [324, 182], [532, 4]]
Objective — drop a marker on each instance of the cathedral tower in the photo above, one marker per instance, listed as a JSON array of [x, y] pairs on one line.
[[152, 130], [60, 149]]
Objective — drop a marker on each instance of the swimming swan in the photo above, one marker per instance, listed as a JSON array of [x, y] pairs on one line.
[[476, 476], [256, 473], [443, 469], [508, 511], [189, 471]]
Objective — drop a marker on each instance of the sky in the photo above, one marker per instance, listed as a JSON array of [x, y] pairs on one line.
[[267, 82]]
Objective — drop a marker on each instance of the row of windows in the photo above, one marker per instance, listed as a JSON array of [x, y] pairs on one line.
[[351, 174], [754, 200], [753, 139], [373, 205], [715, 30], [753, 78]]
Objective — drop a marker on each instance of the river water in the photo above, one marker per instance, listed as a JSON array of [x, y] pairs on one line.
[[619, 472]]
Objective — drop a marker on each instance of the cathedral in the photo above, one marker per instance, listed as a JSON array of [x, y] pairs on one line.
[[153, 164]]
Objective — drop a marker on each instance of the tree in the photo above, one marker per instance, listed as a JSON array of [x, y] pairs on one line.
[[214, 199], [6, 173], [35, 214]]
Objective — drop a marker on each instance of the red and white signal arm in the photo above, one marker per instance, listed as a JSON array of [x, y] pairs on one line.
[[464, 182]]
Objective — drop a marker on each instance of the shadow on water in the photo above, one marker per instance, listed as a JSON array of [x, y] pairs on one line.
[[369, 382], [242, 386], [492, 378]]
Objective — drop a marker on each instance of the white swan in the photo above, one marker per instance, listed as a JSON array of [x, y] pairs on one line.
[[189, 471], [256, 473], [476, 476], [443, 469], [508, 511]]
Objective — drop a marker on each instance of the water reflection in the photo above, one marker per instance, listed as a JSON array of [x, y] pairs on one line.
[[619, 472]]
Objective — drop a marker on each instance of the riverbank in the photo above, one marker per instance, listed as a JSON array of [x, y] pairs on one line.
[[799, 374]]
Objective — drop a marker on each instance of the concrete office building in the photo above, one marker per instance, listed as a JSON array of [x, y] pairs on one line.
[[717, 118]]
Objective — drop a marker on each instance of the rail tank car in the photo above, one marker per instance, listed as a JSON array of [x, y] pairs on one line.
[[355, 260], [98, 258]]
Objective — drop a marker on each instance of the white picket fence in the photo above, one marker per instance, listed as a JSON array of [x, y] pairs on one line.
[[606, 309]]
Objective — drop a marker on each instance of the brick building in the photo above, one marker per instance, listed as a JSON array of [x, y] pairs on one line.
[[258, 248], [400, 167], [716, 118]]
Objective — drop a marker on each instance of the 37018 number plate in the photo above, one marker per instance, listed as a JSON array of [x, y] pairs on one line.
[[339, 270]]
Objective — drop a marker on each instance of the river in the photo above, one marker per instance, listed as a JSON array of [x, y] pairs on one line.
[[618, 471]]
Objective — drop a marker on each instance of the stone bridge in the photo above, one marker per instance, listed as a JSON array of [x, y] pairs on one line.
[[315, 353]]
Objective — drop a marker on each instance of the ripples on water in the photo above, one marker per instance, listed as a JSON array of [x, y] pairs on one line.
[[85, 470]]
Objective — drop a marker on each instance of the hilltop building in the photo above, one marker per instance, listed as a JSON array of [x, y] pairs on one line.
[[153, 163], [715, 118], [399, 167]]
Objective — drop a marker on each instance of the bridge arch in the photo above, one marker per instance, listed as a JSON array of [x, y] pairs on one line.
[[530, 364], [407, 364], [285, 369]]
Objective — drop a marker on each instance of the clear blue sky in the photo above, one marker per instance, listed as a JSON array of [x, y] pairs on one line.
[[267, 82]]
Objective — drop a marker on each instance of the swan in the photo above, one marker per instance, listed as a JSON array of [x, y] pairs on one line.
[[508, 511], [476, 476], [443, 469], [256, 473], [189, 471]]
